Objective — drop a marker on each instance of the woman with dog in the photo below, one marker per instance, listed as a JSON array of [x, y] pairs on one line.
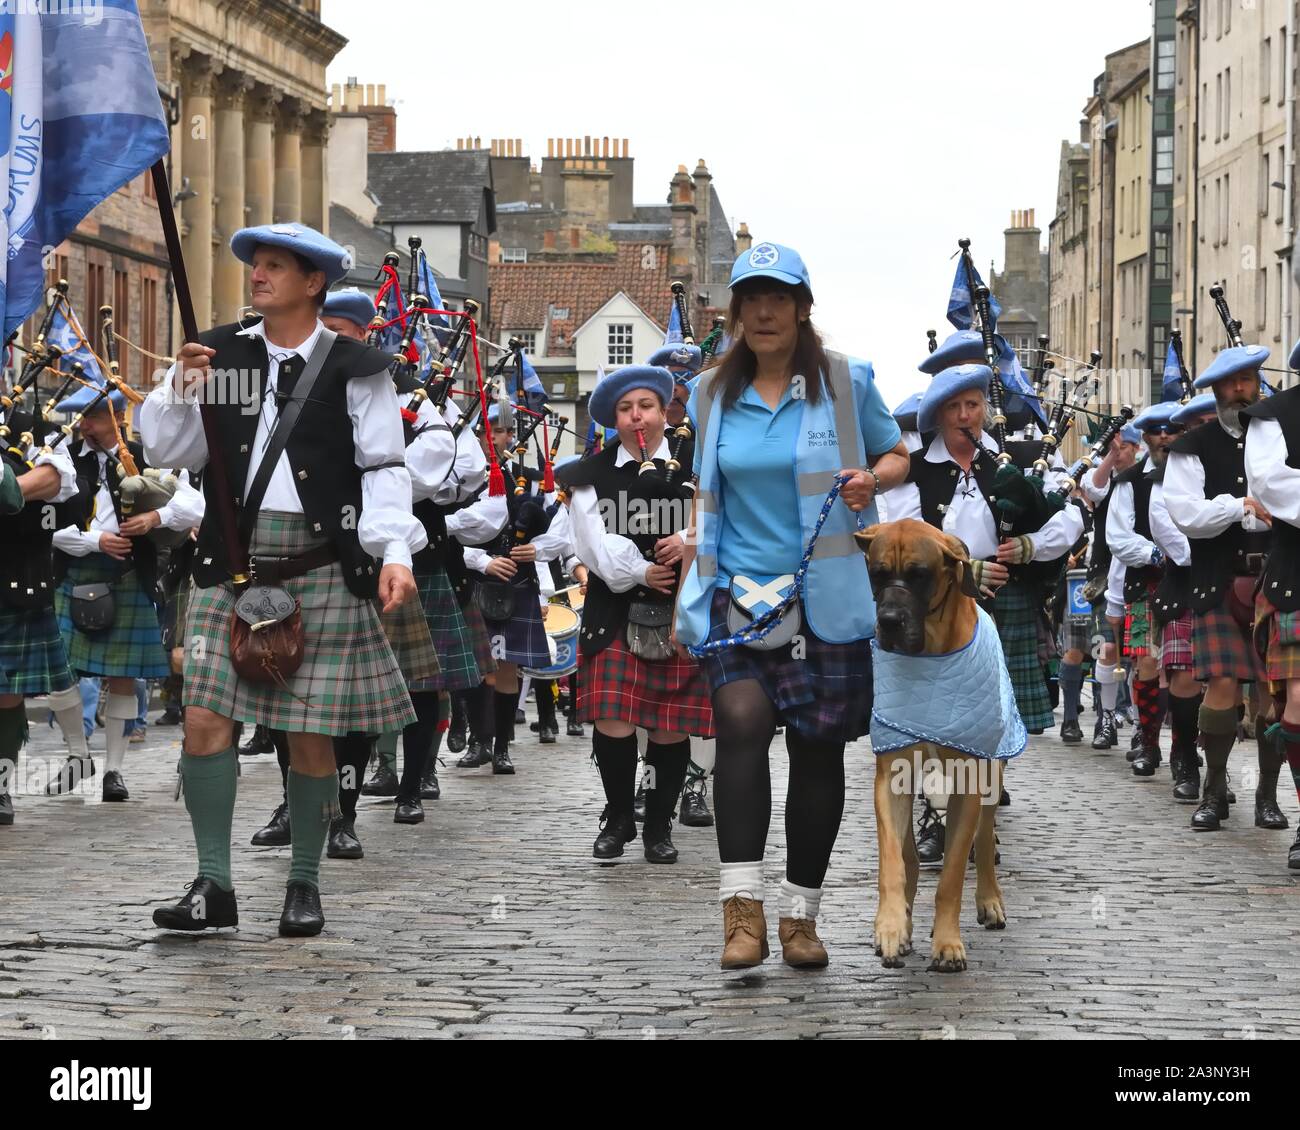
[[776, 421]]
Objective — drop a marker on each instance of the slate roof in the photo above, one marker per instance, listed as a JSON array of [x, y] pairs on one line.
[[445, 187]]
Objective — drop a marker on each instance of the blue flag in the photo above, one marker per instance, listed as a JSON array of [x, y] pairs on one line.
[[959, 301], [64, 335], [80, 116], [675, 333], [429, 288], [1019, 391], [1172, 389]]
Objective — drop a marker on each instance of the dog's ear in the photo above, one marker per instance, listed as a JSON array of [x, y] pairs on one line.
[[865, 537], [955, 550]]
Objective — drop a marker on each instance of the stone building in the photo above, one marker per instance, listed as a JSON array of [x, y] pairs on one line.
[[1125, 353], [1068, 258], [1021, 288]]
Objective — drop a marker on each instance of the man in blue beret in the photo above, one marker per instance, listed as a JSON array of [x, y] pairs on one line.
[[348, 312], [1199, 410], [315, 482], [1207, 494]]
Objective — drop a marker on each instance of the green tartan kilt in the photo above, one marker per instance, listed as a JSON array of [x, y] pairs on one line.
[[349, 678], [133, 646], [1016, 609], [33, 659], [480, 641], [408, 636], [452, 638]]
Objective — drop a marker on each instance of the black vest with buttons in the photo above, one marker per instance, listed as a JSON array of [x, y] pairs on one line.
[[503, 542], [1216, 560], [1138, 579], [1281, 584], [321, 452], [28, 574], [1100, 558]]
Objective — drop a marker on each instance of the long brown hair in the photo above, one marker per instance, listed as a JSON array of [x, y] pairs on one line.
[[735, 370]]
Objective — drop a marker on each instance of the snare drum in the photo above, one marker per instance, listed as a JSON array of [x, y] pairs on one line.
[[562, 624], [1077, 608]]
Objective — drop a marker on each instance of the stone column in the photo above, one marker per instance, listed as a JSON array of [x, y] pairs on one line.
[[229, 175], [287, 205], [259, 154], [197, 77], [315, 183]]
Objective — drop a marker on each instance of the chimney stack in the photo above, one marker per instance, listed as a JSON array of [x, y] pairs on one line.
[[681, 255], [744, 241]]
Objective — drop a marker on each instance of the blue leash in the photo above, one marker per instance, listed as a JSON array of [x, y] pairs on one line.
[[764, 625]]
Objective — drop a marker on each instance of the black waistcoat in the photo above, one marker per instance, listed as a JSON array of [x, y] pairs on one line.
[[1281, 586], [1139, 578], [321, 452], [1216, 560], [604, 615], [27, 566], [1100, 558], [502, 543]]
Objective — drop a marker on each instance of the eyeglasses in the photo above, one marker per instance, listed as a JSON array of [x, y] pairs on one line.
[[1163, 429]]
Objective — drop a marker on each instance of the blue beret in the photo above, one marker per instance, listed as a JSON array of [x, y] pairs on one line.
[[1157, 416], [323, 253], [566, 461], [909, 406], [494, 413], [945, 386], [961, 348], [80, 400], [602, 407], [771, 261], [1198, 405], [353, 304], [1129, 434], [1294, 360], [1232, 362], [678, 356]]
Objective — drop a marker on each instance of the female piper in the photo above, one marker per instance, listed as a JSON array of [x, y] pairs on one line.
[[775, 422]]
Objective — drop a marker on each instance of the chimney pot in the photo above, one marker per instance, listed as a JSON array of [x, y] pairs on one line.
[[1031, 216], [625, 147], [370, 94], [478, 142], [519, 146], [460, 143], [586, 150], [604, 151], [550, 147], [383, 94]]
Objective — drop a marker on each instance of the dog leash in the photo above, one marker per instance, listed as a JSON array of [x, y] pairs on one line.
[[764, 625]]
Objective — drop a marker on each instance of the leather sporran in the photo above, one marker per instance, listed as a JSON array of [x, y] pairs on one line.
[[1241, 600], [266, 636], [496, 600], [649, 630], [92, 607]]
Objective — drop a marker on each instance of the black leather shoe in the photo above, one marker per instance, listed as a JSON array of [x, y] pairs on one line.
[[501, 762], [573, 729], [1268, 815], [1135, 743], [204, 906], [638, 805], [430, 789], [1293, 855], [1071, 733], [302, 916], [343, 842], [1211, 814], [929, 837], [171, 717], [114, 788], [520, 717], [695, 808], [70, 775], [1107, 733], [260, 742], [656, 839], [383, 782], [1146, 762], [1187, 780], [6, 810], [276, 833], [615, 831], [478, 754], [408, 811], [455, 741], [548, 735]]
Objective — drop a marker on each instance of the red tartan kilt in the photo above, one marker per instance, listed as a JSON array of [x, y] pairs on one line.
[[1281, 661], [616, 686], [1176, 653], [1223, 648]]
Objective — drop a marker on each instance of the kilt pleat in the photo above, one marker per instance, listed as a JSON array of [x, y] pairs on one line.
[[452, 637], [408, 636], [522, 638], [1142, 633], [1176, 653], [1281, 660], [617, 686], [826, 694], [1222, 647], [349, 678], [133, 646], [479, 641], [1018, 616], [33, 658]]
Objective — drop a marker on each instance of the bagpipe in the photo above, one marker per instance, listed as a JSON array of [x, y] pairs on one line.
[[1184, 377], [41, 356], [1095, 453], [1230, 324], [683, 432]]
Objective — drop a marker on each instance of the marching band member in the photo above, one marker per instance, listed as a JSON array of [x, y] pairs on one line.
[[776, 421]]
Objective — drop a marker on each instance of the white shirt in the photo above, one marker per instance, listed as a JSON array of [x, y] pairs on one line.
[[1127, 545], [61, 460], [1193, 513], [1089, 488], [1268, 477], [969, 518], [1171, 540], [172, 431], [430, 456], [183, 512], [555, 544], [469, 470]]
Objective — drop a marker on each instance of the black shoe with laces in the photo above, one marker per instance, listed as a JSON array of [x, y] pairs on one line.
[[1211, 813], [475, 756], [573, 728], [430, 789], [1268, 814], [204, 906], [383, 782], [1293, 855], [6, 810], [1071, 733], [695, 807], [1187, 778], [929, 836], [455, 740], [277, 832], [259, 743], [615, 831], [638, 804], [548, 734], [1147, 761], [343, 842], [501, 763], [302, 916], [70, 775], [1106, 735], [657, 841], [114, 788], [172, 716]]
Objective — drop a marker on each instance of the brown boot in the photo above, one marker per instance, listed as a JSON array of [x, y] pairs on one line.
[[800, 945], [744, 933]]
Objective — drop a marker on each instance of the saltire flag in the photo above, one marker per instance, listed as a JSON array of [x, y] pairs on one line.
[[429, 288], [675, 333], [1019, 390], [1172, 388], [80, 116], [534, 392], [959, 300], [63, 333]]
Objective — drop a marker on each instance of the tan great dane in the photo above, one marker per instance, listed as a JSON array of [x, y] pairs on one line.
[[925, 605]]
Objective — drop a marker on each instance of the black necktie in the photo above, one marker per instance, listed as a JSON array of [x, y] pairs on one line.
[[285, 379]]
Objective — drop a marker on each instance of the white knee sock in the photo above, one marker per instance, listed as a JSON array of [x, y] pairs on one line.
[[120, 709], [66, 705], [799, 902], [741, 879], [1109, 686]]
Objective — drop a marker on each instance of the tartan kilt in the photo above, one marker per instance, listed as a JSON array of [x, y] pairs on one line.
[[478, 638], [1281, 661], [408, 636], [826, 695], [617, 686], [1176, 652], [133, 646], [522, 638], [349, 678], [33, 659], [1016, 610], [1222, 648], [1141, 632], [1075, 636], [452, 637]]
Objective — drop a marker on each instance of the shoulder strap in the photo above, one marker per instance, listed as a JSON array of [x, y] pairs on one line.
[[284, 424], [840, 381]]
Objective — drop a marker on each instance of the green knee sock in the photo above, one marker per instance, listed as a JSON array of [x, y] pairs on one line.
[[210, 801], [313, 803], [386, 749]]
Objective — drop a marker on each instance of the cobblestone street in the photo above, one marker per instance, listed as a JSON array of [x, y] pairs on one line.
[[491, 919]]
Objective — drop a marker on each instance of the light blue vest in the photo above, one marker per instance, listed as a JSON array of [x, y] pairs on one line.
[[837, 593]]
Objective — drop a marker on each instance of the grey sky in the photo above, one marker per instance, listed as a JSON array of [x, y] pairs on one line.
[[869, 138]]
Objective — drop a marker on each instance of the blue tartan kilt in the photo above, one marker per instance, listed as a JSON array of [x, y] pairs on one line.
[[133, 646], [33, 659], [522, 638]]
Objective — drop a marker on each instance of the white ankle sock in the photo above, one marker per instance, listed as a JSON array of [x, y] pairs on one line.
[[66, 705], [799, 902], [119, 710], [740, 879]]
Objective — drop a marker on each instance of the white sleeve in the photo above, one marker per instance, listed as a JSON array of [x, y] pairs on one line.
[[61, 460], [171, 428], [1058, 534], [430, 456], [904, 501], [477, 559], [557, 542], [1125, 543], [1115, 589], [1091, 491], [479, 522], [75, 542], [1171, 540], [1193, 513], [468, 471], [612, 557], [185, 510], [387, 529], [1268, 476]]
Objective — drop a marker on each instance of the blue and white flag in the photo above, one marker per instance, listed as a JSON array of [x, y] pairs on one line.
[[1172, 388], [1019, 390], [675, 332], [64, 334], [534, 392], [959, 301], [429, 288], [80, 116]]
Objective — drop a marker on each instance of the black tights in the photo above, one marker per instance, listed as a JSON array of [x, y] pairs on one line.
[[417, 744], [351, 756], [745, 720]]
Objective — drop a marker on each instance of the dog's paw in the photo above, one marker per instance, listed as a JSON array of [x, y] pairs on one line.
[[893, 941], [989, 911], [949, 957]]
